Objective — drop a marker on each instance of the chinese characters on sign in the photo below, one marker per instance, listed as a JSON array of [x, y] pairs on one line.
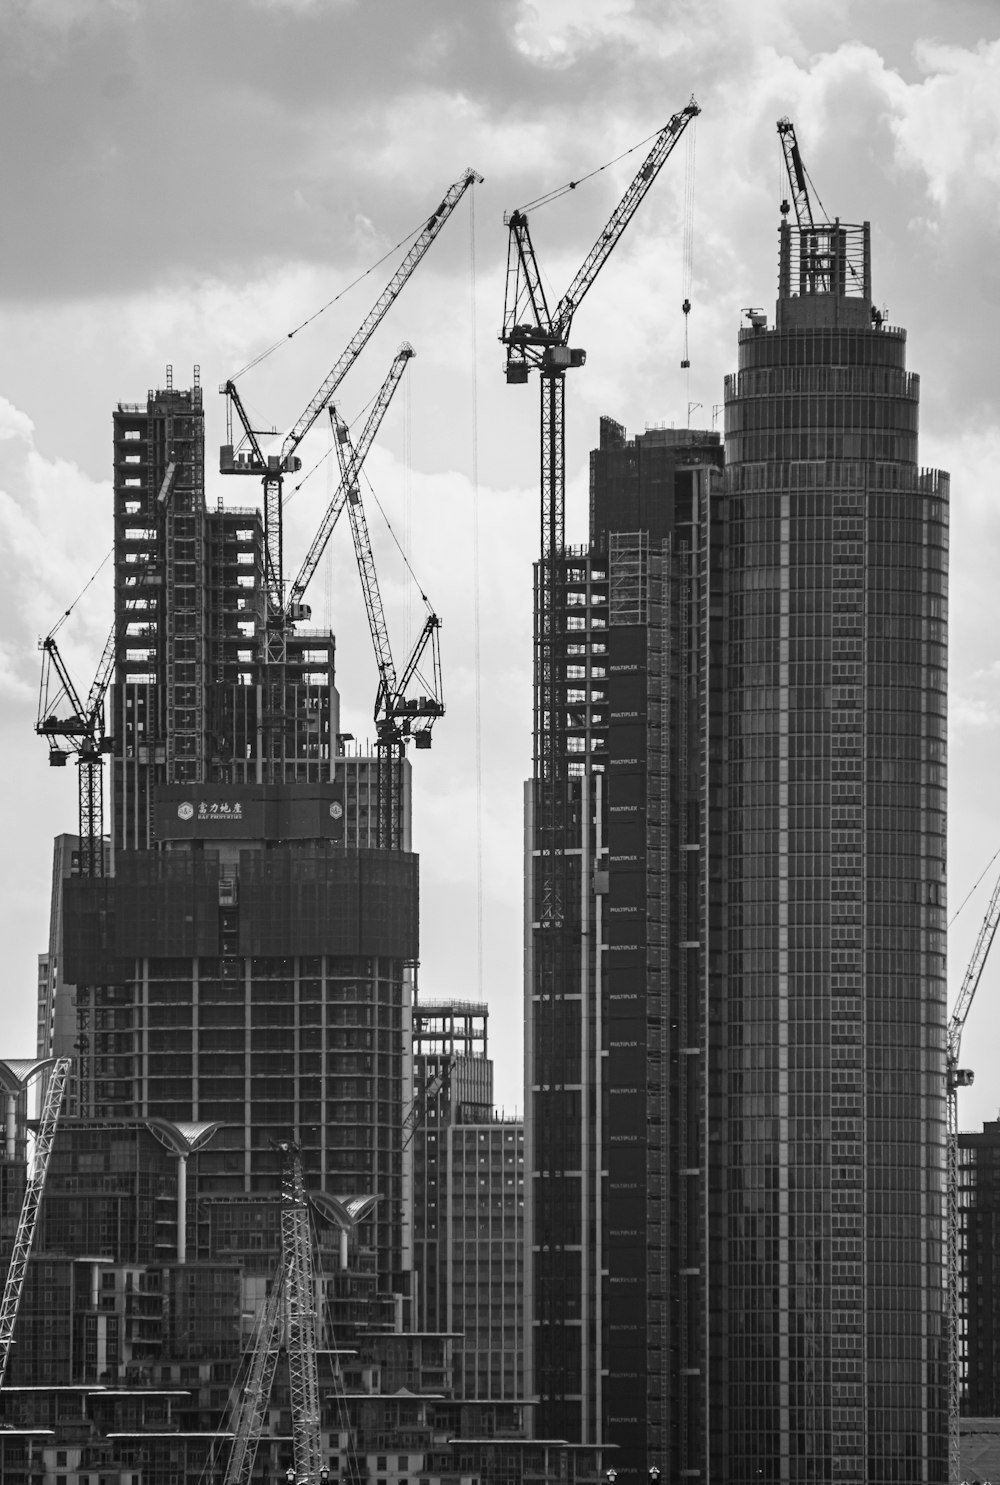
[[212, 810]]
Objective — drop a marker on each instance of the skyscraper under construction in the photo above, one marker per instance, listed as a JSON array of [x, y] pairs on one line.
[[735, 1096], [241, 983], [241, 937]]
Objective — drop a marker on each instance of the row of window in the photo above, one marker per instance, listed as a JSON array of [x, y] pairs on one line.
[[847, 413]]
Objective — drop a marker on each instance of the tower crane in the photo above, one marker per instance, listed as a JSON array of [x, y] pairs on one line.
[[398, 717], [960, 1077], [79, 730], [248, 457], [17, 1268], [293, 1285], [537, 337], [300, 1291]]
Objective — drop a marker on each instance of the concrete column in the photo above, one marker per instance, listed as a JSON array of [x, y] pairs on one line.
[[11, 1126], [182, 1209]]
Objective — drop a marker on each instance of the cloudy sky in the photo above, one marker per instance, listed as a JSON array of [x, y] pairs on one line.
[[187, 182]]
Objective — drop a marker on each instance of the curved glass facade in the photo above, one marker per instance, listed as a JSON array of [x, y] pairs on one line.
[[826, 1131]]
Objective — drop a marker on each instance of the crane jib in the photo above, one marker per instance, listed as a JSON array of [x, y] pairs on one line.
[[308, 568], [623, 214], [382, 305]]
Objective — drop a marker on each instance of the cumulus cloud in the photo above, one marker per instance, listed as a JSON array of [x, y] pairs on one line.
[[961, 85], [193, 205], [972, 713], [554, 33], [54, 534], [14, 684], [63, 14]]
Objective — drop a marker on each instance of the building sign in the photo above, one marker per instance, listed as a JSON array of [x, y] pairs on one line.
[[249, 812], [214, 809]]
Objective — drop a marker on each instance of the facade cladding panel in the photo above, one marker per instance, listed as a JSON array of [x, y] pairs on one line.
[[827, 989], [613, 1124], [311, 899], [320, 900]]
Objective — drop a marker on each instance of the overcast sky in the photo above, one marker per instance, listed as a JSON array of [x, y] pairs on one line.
[[186, 182]]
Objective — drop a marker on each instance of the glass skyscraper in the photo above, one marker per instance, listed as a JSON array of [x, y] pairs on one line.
[[615, 1006], [734, 1056], [826, 1113]]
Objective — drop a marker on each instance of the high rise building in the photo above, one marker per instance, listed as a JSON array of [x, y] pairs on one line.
[[468, 1182], [615, 1020], [57, 1031], [734, 1057], [243, 963], [241, 978], [826, 974], [979, 1269]]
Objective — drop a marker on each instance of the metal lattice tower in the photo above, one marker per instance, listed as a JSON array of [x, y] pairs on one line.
[[24, 1237], [300, 1290], [257, 1389]]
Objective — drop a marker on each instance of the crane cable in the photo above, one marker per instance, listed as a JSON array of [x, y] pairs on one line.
[[408, 502], [812, 187], [571, 185], [331, 490], [974, 886], [389, 527], [290, 335], [94, 575], [687, 269], [477, 665]]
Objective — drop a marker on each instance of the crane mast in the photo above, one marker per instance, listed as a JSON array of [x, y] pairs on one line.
[[81, 731], [300, 1289], [959, 1077], [17, 1268], [293, 1288], [256, 1393], [272, 468]]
